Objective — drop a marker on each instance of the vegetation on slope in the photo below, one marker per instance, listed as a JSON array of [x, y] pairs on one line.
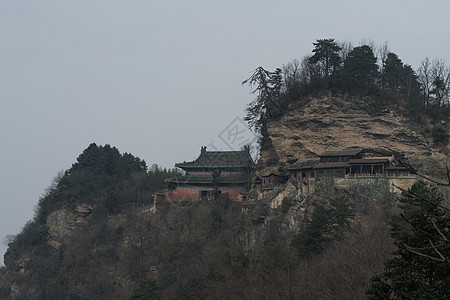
[[189, 250], [102, 178], [205, 249], [217, 249], [421, 265], [339, 67]]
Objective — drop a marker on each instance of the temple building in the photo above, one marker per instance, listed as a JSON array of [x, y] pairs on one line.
[[213, 172], [270, 180], [345, 163]]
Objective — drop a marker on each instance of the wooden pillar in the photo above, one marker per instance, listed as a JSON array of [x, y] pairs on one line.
[[371, 169]]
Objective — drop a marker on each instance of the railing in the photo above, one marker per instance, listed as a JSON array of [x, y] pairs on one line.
[[404, 176], [381, 175]]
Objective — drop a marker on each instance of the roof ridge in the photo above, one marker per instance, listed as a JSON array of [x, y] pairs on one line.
[[224, 151]]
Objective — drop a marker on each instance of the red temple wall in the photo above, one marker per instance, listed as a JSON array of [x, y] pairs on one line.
[[183, 194]]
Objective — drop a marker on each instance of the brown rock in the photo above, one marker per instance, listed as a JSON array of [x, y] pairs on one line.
[[332, 122]]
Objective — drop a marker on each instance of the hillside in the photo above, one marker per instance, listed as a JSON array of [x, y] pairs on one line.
[[340, 121], [96, 236]]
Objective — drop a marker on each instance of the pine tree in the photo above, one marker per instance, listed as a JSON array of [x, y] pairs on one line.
[[360, 68], [326, 52], [393, 72], [325, 226], [267, 85], [420, 268]]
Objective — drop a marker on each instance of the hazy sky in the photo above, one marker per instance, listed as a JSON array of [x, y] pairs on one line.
[[159, 79]]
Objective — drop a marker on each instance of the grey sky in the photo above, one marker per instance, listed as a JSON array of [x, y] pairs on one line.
[[159, 79]]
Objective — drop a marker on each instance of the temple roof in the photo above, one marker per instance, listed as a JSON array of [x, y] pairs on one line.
[[274, 174], [331, 165], [307, 164], [208, 179], [344, 152], [396, 168], [220, 159], [369, 161]]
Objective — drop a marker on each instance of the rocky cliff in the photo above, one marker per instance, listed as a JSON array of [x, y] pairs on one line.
[[338, 121], [109, 245]]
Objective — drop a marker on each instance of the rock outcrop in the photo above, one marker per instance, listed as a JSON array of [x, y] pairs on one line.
[[336, 122], [62, 222]]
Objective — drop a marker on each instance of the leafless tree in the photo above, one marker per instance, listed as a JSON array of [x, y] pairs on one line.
[[425, 79], [368, 42], [382, 52], [308, 71], [434, 77], [291, 78], [346, 47], [441, 82]]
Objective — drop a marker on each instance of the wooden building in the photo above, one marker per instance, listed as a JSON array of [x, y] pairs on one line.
[[271, 180], [222, 172], [344, 163], [303, 169], [341, 155], [330, 169], [368, 166]]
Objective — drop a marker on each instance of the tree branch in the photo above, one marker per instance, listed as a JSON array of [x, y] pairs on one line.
[[412, 195], [437, 251], [415, 227], [437, 229], [426, 177], [413, 250]]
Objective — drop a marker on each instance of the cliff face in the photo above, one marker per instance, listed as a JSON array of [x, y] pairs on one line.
[[338, 122], [215, 249]]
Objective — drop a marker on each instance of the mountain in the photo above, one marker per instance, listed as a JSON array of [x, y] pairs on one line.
[[96, 234], [339, 121]]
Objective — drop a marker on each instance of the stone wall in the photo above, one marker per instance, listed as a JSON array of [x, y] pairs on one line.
[[378, 187]]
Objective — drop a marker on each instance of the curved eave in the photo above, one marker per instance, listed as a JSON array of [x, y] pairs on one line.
[[206, 180], [186, 165]]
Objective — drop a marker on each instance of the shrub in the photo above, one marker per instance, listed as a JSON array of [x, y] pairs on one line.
[[286, 204], [5, 289], [440, 135], [147, 290]]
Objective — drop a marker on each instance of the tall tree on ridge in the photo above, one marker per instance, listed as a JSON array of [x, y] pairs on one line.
[[360, 68], [326, 53], [392, 74], [267, 85]]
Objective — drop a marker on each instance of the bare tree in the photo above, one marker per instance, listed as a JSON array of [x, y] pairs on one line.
[[346, 47], [368, 42], [308, 71], [382, 53], [425, 79], [292, 79], [434, 77], [440, 73]]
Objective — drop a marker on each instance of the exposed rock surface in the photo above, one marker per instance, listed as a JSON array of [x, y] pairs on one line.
[[137, 243], [336, 122], [62, 222]]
